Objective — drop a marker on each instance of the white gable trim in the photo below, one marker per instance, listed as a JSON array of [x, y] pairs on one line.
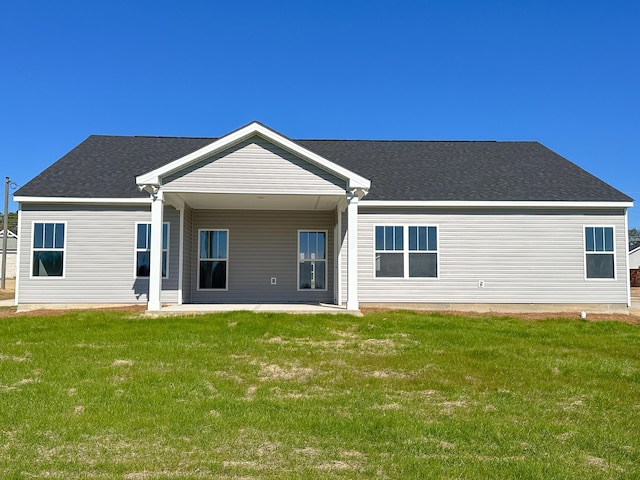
[[462, 203], [353, 180]]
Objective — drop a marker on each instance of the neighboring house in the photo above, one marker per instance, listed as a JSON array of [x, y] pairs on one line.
[[255, 217], [12, 250], [634, 258]]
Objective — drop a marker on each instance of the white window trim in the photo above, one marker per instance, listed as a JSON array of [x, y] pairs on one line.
[[136, 249], [405, 250], [326, 260], [226, 280], [585, 253], [63, 250]]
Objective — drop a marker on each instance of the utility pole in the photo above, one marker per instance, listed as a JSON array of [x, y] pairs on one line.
[[7, 183]]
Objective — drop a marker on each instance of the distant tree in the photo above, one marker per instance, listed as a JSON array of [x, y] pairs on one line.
[[634, 238], [12, 222]]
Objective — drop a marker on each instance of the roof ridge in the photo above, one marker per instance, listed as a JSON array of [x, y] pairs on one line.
[[412, 141], [321, 139], [152, 136]]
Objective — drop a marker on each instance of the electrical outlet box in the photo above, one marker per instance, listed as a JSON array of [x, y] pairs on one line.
[[480, 283], [274, 281]]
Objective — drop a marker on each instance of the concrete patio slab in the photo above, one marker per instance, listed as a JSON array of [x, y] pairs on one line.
[[254, 307]]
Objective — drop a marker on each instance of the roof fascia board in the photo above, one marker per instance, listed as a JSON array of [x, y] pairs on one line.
[[355, 180], [111, 201], [509, 203], [153, 177]]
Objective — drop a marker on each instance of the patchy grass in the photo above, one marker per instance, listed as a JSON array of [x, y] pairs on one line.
[[265, 396]]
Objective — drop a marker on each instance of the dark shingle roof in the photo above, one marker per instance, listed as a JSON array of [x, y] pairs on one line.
[[106, 166]]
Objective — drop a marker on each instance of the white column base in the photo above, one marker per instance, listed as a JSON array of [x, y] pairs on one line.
[[154, 306]]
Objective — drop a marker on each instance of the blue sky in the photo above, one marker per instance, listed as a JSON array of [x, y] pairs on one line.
[[565, 73]]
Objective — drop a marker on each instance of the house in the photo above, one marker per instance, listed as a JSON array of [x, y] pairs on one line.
[[634, 258], [12, 250], [634, 267], [256, 217]]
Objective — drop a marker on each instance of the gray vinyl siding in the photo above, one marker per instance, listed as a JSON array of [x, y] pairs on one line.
[[187, 265], [262, 245], [523, 256], [344, 273], [99, 256], [170, 284], [254, 166]]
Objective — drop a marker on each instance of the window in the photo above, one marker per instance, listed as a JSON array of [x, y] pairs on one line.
[[423, 257], [406, 251], [213, 259], [389, 252], [143, 249], [48, 249], [312, 264], [599, 252]]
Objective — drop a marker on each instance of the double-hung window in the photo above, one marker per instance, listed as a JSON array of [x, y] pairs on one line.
[[599, 252], [423, 251], [312, 256], [389, 251], [213, 257], [48, 250], [403, 251], [143, 249]]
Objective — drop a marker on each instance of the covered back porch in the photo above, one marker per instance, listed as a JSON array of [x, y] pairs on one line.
[[261, 221]]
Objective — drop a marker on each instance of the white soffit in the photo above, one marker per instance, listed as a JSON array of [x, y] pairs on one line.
[[230, 201], [153, 178]]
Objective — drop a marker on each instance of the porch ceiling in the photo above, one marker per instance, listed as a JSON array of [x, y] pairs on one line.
[[256, 201]]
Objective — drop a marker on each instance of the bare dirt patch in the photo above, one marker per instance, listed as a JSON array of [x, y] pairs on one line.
[[13, 358], [121, 363], [17, 385], [9, 290], [288, 372]]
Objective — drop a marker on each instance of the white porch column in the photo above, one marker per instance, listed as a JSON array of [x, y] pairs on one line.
[[352, 251], [338, 256], [155, 258], [181, 255]]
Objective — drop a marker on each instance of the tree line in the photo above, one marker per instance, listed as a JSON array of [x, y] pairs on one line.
[[634, 238], [12, 222]]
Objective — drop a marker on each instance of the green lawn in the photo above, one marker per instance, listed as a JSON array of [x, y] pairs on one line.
[[249, 396]]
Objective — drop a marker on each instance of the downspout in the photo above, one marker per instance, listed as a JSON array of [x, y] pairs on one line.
[[16, 302]]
